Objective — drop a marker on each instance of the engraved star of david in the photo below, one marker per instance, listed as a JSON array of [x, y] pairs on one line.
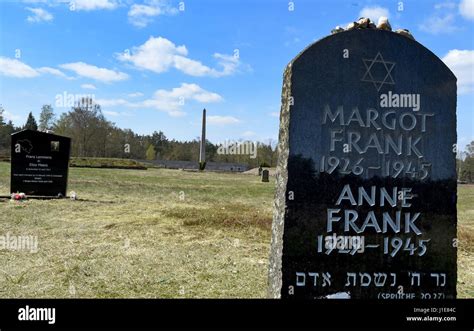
[[388, 79]]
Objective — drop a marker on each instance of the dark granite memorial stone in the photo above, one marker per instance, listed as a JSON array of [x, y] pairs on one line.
[[366, 182], [39, 163], [265, 175]]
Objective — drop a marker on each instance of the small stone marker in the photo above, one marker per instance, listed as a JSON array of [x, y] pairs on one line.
[[265, 175], [39, 163], [366, 181]]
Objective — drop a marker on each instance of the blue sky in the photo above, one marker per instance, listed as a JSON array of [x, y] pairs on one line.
[[153, 65]]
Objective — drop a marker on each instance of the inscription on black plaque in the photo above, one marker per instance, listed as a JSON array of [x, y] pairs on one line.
[[366, 182], [39, 163]]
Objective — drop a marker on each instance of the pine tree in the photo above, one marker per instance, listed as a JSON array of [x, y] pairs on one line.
[[31, 123], [2, 123], [151, 153], [46, 118]]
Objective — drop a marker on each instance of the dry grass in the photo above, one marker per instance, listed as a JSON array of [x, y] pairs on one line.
[[158, 233], [466, 241], [155, 233]]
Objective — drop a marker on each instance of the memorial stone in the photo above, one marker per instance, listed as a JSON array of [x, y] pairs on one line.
[[365, 205]]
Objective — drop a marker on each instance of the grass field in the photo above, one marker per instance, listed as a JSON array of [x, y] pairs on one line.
[[157, 233], [100, 162]]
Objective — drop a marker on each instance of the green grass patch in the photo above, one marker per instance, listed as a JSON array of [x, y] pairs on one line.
[[111, 163]]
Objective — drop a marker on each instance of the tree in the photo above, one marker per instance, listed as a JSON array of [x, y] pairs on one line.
[[466, 165], [160, 143], [94, 136], [4, 134], [467, 170], [46, 118], [150, 153], [6, 129], [2, 123], [31, 123], [87, 128], [470, 149]]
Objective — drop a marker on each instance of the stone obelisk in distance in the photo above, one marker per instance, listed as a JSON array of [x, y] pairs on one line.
[[202, 148]]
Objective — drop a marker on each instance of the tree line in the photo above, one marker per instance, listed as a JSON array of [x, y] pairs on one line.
[[465, 164], [95, 136]]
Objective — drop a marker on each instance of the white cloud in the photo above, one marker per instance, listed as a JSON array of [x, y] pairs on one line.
[[143, 10], [111, 113], [437, 24], [222, 120], [91, 71], [11, 117], [116, 113], [248, 134], [172, 101], [160, 54], [142, 15], [156, 54], [169, 101], [466, 8], [191, 67], [176, 113], [445, 5], [461, 62], [229, 64], [49, 3], [15, 68], [40, 15], [136, 94], [88, 5], [88, 86], [53, 71], [112, 102], [374, 13]]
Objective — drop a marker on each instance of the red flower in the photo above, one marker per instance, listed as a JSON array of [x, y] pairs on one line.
[[18, 196]]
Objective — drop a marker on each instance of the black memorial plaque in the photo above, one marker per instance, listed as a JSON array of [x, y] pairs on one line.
[[39, 163], [366, 182]]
